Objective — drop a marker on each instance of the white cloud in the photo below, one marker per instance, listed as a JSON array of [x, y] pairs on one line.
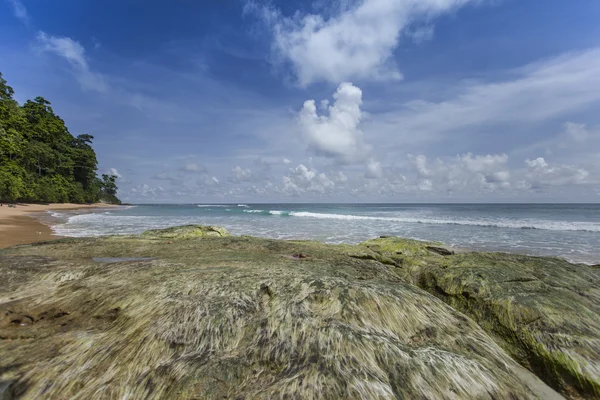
[[537, 93], [115, 172], [491, 169], [467, 173], [357, 43], [420, 163], [287, 161], [302, 179], [341, 177], [336, 135], [540, 174], [373, 169], [145, 191], [20, 11], [207, 181], [241, 175], [74, 53], [193, 167], [538, 163], [577, 132]]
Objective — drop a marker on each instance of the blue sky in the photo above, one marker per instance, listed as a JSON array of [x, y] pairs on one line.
[[319, 101]]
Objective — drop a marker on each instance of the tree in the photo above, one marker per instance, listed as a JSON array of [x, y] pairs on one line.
[[6, 92], [109, 189], [41, 161], [12, 186]]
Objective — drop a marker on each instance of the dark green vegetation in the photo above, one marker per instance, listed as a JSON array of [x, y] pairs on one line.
[[194, 313], [40, 161]]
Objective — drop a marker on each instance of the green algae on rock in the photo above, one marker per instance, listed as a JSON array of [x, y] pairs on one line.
[[235, 317], [185, 232], [544, 311]]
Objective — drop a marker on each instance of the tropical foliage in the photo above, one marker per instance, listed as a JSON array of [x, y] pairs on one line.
[[40, 161]]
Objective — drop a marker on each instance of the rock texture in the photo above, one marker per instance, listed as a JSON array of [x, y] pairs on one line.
[[185, 314], [544, 311]]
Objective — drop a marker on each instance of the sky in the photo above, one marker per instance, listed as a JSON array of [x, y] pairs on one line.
[[321, 101]]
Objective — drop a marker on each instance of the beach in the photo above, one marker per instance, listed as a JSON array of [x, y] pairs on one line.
[[18, 225]]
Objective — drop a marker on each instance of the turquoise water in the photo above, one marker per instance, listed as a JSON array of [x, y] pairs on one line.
[[571, 231]]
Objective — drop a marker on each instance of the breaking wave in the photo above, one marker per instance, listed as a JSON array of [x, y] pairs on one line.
[[511, 224], [270, 212]]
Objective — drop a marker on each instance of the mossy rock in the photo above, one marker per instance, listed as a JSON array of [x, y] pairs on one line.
[[235, 317], [544, 311], [186, 232]]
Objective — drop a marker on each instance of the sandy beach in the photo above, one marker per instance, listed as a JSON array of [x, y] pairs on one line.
[[19, 225]]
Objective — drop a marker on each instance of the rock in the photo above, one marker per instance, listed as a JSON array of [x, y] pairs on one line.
[[442, 251], [238, 317], [186, 232], [544, 311]]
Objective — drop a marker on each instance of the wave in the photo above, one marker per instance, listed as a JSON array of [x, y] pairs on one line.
[[269, 212], [510, 224], [513, 224], [243, 205], [212, 205]]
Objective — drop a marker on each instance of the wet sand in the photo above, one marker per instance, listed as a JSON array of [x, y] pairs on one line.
[[19, 225]]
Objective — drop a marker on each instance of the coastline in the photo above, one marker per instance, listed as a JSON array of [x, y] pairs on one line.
[[19, 225]]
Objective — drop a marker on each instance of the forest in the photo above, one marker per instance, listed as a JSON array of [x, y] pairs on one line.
[[41, 161]]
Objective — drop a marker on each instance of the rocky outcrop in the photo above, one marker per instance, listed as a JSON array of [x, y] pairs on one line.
[[186, 232], [544, 311], [174, 316]]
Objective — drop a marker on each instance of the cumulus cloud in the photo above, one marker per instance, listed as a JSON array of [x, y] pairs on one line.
[[465, 172], [356, 43], [74, 53], [145, 191], [491, 169], [287, 161], [540, 174], [336, 134], [538, 163], [207, 181], [240, 175], [303, 179]]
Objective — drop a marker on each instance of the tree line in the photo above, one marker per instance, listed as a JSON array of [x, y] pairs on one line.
[[40, 161]]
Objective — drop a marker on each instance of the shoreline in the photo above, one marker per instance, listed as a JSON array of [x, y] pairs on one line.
[[25, 224], [20, 225]]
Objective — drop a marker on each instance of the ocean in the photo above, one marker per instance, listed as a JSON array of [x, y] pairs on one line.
[[571, 231]]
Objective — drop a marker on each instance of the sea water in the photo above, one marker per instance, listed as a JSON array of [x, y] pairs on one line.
[[571, 231]]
